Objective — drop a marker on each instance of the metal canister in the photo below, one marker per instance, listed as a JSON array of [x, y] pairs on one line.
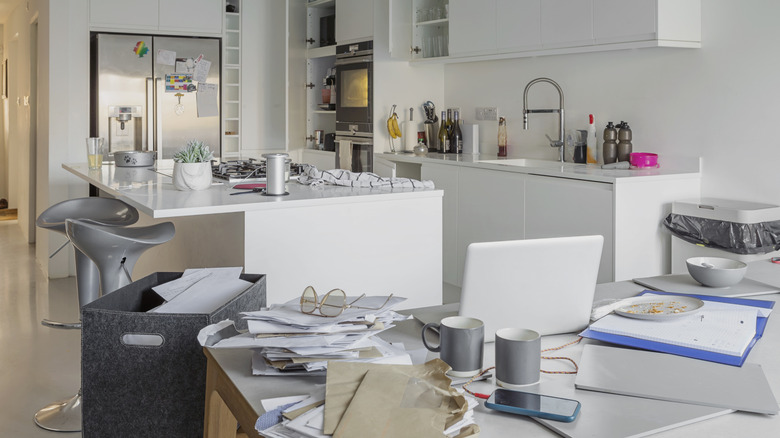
[[275, 166]]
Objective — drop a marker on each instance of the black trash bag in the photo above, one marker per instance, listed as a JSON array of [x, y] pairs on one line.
[[758, 238]]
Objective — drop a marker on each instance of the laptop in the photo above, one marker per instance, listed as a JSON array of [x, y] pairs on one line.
[[546, 285]]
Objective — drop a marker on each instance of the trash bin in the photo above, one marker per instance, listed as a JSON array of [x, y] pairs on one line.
[[710, 227]]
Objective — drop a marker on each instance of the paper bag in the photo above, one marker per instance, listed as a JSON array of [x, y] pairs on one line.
[[390, 400]]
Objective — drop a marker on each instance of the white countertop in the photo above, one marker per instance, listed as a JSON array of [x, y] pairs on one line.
[[589, 172], [152, 192]]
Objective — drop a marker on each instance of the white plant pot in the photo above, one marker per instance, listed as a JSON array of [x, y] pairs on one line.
[[192, 176]]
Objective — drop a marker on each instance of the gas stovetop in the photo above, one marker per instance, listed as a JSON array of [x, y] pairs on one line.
[[250, 169]]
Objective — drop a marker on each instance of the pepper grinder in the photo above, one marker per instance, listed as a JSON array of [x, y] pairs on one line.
[[624, 145], [610, 144]]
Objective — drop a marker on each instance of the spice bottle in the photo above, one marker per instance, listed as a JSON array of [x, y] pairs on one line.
[[624, 145], [609, 147], [501, 137]]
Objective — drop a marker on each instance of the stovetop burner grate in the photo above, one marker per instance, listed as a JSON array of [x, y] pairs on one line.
[[246, 170]]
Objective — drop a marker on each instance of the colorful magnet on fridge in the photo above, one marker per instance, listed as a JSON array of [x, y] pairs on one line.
[[140, 49]]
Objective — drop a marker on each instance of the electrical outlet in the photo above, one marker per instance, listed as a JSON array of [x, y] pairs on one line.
[[490, 113], [479, 113]]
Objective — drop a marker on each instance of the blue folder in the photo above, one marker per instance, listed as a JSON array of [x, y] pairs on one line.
[[687, 351]]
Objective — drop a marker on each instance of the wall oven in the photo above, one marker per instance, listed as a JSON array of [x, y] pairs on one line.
[[354, 106]]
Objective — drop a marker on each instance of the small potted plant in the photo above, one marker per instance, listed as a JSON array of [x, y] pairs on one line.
[[192, 167]]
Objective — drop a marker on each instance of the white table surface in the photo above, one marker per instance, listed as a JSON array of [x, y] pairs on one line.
[[151, 191], [497, 424]]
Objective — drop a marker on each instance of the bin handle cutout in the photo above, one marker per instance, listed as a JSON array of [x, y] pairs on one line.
[[142, 339]]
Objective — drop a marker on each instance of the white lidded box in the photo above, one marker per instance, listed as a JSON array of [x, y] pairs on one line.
[[728, 210]]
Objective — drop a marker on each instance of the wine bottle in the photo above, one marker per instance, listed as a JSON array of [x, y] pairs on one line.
[[449, 122], [444, 138], [456, 137]]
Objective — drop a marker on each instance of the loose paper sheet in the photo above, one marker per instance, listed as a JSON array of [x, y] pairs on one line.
[[207, 100], [201, 72], [166, 57]]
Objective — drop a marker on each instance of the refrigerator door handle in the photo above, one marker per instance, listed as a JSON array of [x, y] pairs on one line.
[[150, 99], [157, 118]]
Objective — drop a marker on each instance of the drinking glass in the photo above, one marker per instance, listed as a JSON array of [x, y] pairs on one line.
[[95, 152]]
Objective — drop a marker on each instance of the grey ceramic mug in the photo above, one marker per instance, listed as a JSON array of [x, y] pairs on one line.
[[518, 357], [461, 346]]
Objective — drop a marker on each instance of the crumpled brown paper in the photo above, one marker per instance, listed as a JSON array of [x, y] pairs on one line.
[[363, 399]]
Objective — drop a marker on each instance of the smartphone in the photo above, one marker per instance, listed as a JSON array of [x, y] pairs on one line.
[[534, 405]]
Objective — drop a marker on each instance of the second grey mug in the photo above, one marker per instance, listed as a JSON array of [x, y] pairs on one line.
[[461, 344], [518, 357]]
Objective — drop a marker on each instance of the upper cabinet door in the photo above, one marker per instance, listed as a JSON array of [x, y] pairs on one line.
[[472, 26], [616, 21], [354, 20], [567, 23], [518, 25], [123, 14], [400, 29], [193, 16]]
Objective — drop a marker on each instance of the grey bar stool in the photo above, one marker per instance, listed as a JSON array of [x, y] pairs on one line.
[[65, 415], [115, 250], [105, 211]]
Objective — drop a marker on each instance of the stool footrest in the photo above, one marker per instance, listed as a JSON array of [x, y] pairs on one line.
[[61, 325]]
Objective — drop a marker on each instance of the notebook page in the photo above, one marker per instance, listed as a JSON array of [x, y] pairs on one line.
[[711, 329]]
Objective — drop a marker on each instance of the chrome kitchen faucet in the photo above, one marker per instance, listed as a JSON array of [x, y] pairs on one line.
[[553, 143]]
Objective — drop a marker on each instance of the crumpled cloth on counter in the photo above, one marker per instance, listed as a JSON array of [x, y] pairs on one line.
[[340, 177]]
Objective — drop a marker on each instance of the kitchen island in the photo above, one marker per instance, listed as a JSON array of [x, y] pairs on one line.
[[361, 240]]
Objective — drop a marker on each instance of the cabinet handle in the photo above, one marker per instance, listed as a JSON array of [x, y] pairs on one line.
[[310, 85], [415, 49], [311, 138], [310, 40]]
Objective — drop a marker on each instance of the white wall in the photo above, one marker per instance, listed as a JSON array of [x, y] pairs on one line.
[[720, 102]]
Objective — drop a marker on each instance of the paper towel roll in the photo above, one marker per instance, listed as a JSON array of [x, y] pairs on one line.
[[409, 130]]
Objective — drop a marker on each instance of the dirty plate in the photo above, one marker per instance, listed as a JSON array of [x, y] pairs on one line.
[[659, 307]]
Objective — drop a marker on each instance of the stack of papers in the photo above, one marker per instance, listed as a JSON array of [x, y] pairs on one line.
[[287, 341], [200, 290], [371, 400]]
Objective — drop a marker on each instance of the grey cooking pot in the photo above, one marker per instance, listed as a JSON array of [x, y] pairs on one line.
[[134, 158]]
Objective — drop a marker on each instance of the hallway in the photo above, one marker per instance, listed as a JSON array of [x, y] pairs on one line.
[[38, 365]]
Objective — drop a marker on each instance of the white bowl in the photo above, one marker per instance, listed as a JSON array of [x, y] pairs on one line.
[[716, 271]]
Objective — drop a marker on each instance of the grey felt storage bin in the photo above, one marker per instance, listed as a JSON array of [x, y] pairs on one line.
[[149, 391]]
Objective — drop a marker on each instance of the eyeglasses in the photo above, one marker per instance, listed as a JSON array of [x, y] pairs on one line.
[[332, 303]]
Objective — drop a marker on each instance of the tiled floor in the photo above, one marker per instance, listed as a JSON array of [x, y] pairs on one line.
[[38, 365]]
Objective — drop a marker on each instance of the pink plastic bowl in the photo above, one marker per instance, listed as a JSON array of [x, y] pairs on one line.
[[643, 159]]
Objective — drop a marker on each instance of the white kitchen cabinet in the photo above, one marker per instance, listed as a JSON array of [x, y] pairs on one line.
[[263, 96], [231, 84], [320, 60], [491, 208], [566, 23], [473, 26], [670, 21], [354, 21], [196, 16], [122, 14], [185, 17], [518, 27], [445, 177], [499, 29], [559, 207], [419, 29]]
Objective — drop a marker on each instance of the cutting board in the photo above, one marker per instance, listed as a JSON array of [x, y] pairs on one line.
[[684, 283]]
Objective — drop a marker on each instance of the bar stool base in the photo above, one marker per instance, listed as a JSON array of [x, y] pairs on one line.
[[61, 416]]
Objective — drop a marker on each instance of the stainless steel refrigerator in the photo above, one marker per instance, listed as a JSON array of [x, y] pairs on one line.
[[155, 92]]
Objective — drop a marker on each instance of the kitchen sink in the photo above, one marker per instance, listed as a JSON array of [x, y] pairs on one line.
[[526, 162]]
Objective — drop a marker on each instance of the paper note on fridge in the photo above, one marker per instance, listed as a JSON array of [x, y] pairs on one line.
[[207, 100], [166, 57], [201, 72]]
